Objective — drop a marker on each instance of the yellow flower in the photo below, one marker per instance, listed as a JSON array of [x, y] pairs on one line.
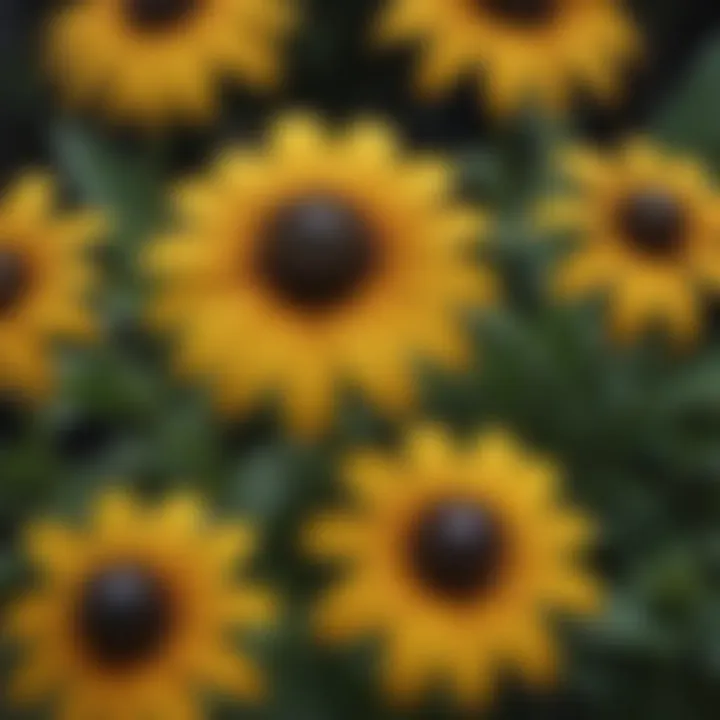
[[148, 60], [45, 277], [318, 260], [454, 557], [132, 614], [648, 227], [521, 50]]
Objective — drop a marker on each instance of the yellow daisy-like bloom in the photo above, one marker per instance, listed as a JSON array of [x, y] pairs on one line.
[[648, 228], [45, 277], [321, 259], [455, 557], [148, 60], [133, 614], [522, 50]]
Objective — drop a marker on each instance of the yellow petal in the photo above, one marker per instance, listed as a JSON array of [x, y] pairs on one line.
[[427, 182], [370, 477], [180, 517], [115, 513], [83, 229], [586, 272], [174, 703], [251, 606], [404, 669], [333, 536], [535, 652], [577, 593], [561, 214], [386, 379], [584, 166], [347, 610], [232, 673], [441, 64], [55, 548], [371, 143], [298, 135], [27, 617], [430, 449], [30, 198], [230, 545], [34, 679], [472, 675], [647, 300], [309, 402]]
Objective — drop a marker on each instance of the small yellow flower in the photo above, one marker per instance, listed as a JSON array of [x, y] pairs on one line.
[[320, 260], [133, 613], [521, 50], [45, 278], [648, 228], [150, 60], [454, 557]]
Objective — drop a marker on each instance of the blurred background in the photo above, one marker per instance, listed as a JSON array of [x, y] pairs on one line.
[[638, 430]]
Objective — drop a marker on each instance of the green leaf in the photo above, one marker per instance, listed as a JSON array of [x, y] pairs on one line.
[[690, 120], [124, 177]]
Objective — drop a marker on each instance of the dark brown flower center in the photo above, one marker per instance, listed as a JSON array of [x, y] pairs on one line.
[[14, 280], [653, 222], [157, 15], [524, 13], [456, 549], [124, 616], [316, 252]]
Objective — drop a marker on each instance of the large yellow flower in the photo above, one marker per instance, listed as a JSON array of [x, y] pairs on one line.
[[45, 277], [148, 60], [318, 260], [648, 228], [454, 557], [134, 613], [522, 50]]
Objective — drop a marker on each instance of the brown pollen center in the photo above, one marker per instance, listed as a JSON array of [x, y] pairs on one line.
[[158, 15], [457, 549], [316, 252], [15, 280], [522, 13], [124, 616], [653, 222]]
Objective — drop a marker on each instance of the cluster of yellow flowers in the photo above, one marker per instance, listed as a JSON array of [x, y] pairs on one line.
[[150, 60], [455, 556], [316, 259], [323, 259]]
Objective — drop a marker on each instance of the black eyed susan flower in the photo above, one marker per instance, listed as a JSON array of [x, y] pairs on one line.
[[648, 228], [133, 614], [45, 277], [147, 60], [522, 50], [454, 558], [321, 259]]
